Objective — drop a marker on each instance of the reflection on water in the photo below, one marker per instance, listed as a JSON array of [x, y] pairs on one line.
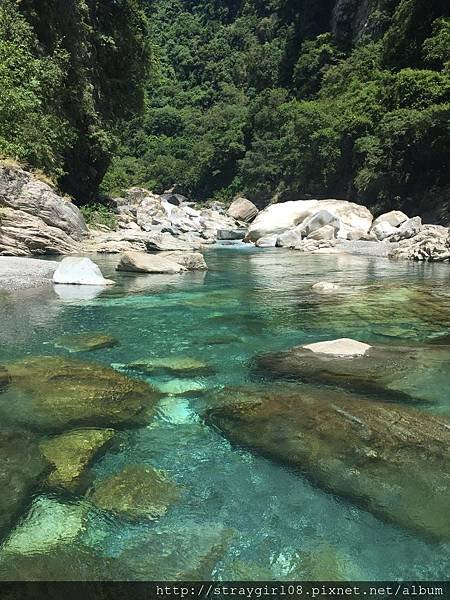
[[236, 515]]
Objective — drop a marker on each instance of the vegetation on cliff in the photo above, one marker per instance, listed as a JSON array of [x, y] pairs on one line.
[[285, 98]]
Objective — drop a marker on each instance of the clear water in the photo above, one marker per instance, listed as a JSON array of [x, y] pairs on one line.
[[250, 301]]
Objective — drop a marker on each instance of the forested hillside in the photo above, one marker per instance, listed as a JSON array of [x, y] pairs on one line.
[[275, 99], [69, 71], [290, 98]]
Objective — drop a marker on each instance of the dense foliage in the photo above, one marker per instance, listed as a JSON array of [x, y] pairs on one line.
[[274, 99], [69, 70], [288, 98]]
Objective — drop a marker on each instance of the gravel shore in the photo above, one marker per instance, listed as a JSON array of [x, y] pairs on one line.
[[23, 273]]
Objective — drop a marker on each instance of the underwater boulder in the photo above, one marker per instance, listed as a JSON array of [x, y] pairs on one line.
[[172, 365], [71, 453], [137, 492], [86, 342], [4, 378], [22, 466], [56, 394], [390, 459], [381, 370]]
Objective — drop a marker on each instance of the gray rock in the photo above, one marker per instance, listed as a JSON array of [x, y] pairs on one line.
[[138, 262], [328, 232], [242, 209], [289, 239], [407, 230], [383, 230], [231, 234], [165, 241], [267, 241], [318, 221], [34, 219], [192, 261], [431, 244]]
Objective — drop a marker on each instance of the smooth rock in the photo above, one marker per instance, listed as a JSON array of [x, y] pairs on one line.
[[86, 342], [70, 455], [55, 394], [34, 219], [177, 365], [192, 261], [137, 492], [341, 347], [22, 273], [22, 466], [137, 262], [242, 209], [79, 271], [390, 459], [393, 218]]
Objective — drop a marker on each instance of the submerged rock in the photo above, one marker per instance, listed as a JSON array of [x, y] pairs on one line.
[[54, 394], [138, 262], [71, 453], [326, 287], [4, 378], [22, 466], [48, 524], [177, 365], [75, 270], [391, 459], [187, 553], [86, 342], [137, 492], [348, 364]]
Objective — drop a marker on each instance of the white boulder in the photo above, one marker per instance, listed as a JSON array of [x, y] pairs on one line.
[[383, 230], [340, 347], [267, 241], [277, 218], [328, 232], [407, 230], [75, 270]]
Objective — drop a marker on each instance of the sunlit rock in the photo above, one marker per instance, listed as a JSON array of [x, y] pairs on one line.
[[192, 261], [71, 453], [86, 342], [393, 460], [326, 287], [393, 218], [341, 347], [48, 524], [75, 270], [137, 492], [242, 209], [21, 469], [51, 394]]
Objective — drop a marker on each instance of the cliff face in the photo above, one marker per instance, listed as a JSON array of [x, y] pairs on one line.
[[108, 48]]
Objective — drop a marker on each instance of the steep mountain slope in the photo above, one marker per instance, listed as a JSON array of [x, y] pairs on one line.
[[289, 99]]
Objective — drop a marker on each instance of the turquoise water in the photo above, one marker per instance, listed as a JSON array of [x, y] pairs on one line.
[[250, 301]]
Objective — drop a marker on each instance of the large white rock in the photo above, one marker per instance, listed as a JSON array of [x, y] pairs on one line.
[[407, 230], [277, 218], [75, 270], [267, 241], [340, 347], [318, 221], [327, 232], [394, 218]]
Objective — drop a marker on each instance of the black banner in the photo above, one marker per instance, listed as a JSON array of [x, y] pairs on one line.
[[235, 590]]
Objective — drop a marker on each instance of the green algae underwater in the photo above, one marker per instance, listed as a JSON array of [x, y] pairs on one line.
[[163, 429]]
